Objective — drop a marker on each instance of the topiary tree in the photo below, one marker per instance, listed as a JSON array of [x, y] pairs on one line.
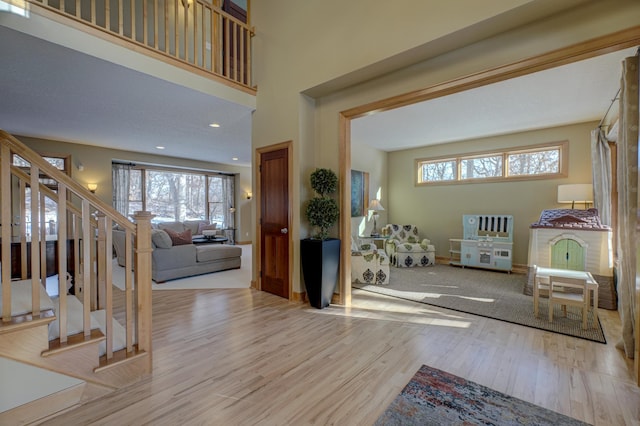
[[322, 211]]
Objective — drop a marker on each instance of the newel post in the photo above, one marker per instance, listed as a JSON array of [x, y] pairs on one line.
[[142, 273]]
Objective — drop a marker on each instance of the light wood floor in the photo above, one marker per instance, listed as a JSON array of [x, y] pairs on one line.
[[243, 357]]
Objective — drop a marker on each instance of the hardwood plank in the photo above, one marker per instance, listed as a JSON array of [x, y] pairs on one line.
[[242, 356]]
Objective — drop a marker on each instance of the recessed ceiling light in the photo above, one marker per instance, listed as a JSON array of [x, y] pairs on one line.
[[159, 147], [235, 158], [214, 125]]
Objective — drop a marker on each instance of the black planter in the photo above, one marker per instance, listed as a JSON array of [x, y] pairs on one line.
[[320, 267]]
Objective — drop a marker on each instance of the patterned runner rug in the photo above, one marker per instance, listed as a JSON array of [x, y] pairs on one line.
[[434, 397], [490, 294]]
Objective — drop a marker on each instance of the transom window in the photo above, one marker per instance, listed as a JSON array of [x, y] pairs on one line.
[[532, 162]]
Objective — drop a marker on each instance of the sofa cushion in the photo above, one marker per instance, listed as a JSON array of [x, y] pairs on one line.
[[161, 239], [207, 253], [174, 226], [175, 257], [193, 225], [179, 238]]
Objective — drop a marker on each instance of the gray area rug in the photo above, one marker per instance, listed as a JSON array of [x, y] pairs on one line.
[[490, 294]]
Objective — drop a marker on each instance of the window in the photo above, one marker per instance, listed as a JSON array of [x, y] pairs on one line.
[[175, 195], [438, 171], [533, 162], [481, 167], [50, 206]]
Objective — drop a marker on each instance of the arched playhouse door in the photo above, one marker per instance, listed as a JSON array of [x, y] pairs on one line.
[[568, 254]]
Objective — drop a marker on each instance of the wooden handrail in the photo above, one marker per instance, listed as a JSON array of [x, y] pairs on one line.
[[92, 251], [194, 33], [25, 152]]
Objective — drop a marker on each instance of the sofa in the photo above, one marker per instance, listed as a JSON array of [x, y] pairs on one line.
[[175, 256], [405, 247]]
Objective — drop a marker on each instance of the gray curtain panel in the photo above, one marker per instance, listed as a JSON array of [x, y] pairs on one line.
[[602, 175], [628, 201]]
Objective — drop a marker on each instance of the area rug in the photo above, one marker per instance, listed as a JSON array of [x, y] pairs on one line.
[[233, 278], [490, 294], [435, 397]]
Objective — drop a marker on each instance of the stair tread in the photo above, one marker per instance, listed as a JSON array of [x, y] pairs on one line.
[[75, 320], [21, 303], [75, 340]]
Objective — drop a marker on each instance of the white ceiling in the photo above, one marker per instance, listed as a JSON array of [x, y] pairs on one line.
[[573, 93], [52, 92]]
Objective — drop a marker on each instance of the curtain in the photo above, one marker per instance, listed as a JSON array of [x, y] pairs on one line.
[[601, 158], [627, 201], [228, 195], [120, 174]]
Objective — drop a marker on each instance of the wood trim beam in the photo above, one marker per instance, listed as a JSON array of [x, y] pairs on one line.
[[588, 49]]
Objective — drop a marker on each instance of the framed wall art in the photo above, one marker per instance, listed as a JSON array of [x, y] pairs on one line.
[[359, 193]]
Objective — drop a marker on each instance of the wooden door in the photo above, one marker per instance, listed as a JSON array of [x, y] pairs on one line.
[[274, 222]]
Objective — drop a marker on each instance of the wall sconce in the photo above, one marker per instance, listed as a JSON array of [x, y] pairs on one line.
[[186, 3], [92, 187], [248, 194]]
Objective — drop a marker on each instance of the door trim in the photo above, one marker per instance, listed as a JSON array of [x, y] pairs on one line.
[[257, 259], [587, 49]]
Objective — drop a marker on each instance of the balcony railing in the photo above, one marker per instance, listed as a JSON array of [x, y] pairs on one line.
[[193, 32]]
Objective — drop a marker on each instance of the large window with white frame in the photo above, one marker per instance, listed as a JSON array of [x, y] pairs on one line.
[[523, 163], [175, 195]]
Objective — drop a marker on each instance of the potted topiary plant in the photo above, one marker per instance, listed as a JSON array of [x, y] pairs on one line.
[[320, 255]]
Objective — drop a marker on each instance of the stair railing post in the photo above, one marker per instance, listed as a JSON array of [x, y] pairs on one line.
[[142, 275], [5, 220]]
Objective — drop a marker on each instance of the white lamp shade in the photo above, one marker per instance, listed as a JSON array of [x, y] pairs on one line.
[[575, 193], [375, 205]]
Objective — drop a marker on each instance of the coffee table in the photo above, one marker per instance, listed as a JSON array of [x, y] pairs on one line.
[[209, 240]]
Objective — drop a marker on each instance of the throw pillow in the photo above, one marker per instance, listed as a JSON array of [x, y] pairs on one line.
[[161, 239], [206, 227], [179, 238]]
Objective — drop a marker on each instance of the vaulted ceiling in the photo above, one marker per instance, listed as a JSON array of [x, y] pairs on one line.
[[53, 92]]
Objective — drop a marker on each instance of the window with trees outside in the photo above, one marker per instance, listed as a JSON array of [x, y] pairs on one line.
[[175, 195], [524, 163], [50, 206]]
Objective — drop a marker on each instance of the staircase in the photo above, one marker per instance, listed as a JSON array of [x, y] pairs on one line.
[[79, 326]]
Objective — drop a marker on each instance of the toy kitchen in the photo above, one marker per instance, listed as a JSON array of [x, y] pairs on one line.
[[487, 242]]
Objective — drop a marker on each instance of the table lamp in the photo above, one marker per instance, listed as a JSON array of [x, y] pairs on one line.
[[575, 193], [375, 207]]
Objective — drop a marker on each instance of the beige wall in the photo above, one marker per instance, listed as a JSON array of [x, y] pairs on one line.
[[374, 162], [307, 67], [437, 209], [97, 169]]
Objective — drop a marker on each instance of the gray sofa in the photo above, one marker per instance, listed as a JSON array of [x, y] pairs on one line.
[[171, 261]]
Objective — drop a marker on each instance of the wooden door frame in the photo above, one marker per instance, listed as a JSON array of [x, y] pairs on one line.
[[588, 49], [259, 152]]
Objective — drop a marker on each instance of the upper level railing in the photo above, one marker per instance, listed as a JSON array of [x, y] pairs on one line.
[[193, 32], [82, 248]]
